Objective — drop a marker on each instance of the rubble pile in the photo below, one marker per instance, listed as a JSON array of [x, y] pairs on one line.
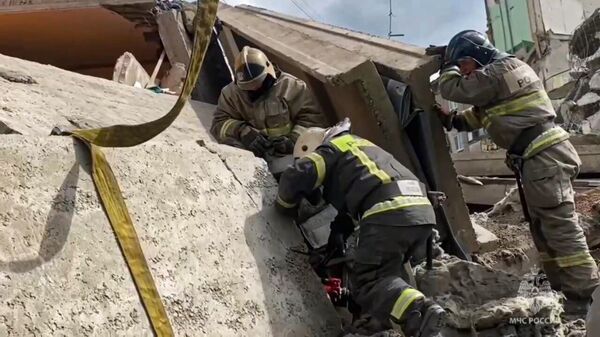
[[580, 110], [489, 302]]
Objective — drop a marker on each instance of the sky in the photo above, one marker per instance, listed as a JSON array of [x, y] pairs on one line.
[[423, 22]]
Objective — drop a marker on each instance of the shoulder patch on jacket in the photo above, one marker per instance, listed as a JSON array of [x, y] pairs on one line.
[[519, 78]]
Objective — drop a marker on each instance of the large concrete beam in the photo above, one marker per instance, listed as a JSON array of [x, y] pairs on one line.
[[344, 69], [492, 163], [14, 6]]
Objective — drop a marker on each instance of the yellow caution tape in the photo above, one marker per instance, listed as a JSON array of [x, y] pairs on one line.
[[108, 187]]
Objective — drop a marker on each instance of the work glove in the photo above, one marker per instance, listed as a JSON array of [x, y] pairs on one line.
[[315, 197], [255, 141], [436, 50], [283, 145], [444, 116], [341, 229]]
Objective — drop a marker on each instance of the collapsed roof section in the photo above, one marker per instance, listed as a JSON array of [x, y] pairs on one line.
[[345, 69], [84, 36]]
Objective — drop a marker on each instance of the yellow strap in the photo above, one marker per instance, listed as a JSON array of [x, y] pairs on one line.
[[398, 202], [545, 140], [570, 260], [407, 297], [285, 203], [350, 143], [526, 102], [319, 162], [108, 187]]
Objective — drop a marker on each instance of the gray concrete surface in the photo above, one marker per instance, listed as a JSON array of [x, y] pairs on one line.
[[218, 251]]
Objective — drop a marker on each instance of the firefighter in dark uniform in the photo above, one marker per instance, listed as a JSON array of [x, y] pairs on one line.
[[510, 102], [394, 214]]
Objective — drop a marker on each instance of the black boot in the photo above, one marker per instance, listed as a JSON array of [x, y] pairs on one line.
[[424, 318]]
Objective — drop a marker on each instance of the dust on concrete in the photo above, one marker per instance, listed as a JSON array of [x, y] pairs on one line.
[[203, 214]]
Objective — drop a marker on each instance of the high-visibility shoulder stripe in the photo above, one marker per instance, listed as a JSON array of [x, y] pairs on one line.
[[407, 297], [319, 162], [349, 143], [397, 203], [545, 140], [449, 74], [526, 102]]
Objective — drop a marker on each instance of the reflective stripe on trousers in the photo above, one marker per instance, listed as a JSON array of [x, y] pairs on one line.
[[569, 260], [407, 297]]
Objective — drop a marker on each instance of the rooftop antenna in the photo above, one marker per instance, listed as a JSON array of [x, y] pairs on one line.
[[390, 34]]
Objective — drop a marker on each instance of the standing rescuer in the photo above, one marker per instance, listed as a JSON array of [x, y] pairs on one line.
[[509, 101], [264, 110], [394, 213]]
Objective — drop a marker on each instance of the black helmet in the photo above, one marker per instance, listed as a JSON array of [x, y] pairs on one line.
[[473, 44]]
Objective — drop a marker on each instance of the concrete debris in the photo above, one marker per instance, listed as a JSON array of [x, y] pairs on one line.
[[595, 82], [479, 299], [218, 251], [487, 240], [511, 202], [584, 116], [174, 78], [130, 72], [16, 76]]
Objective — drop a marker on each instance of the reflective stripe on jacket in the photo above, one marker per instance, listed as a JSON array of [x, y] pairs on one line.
[[507, 96], [354, 174], [287, 109]]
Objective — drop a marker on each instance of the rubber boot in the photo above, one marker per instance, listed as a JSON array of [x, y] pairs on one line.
[[424, 318]]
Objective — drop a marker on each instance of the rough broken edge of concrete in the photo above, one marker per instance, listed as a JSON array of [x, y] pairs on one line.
[[358, 74]]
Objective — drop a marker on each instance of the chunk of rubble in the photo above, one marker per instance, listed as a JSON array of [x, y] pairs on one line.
[[479, 299], [595, 82], [588, 104]]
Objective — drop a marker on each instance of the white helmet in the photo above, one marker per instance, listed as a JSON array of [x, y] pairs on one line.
[[308, 141]]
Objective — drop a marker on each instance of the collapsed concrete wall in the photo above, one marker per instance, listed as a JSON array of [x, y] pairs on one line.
[[218, 252]]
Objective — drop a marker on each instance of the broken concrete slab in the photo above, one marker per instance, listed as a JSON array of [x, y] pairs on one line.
[[595, 82], [61, 97], [221, 271], [486, 240], [130, 72], [588, 104], [204, 214]]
